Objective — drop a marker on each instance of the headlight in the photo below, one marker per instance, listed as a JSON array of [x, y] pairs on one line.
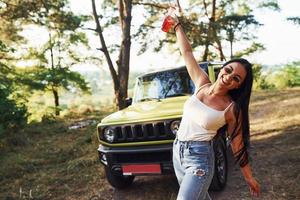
[[109, 134], [175, 126]]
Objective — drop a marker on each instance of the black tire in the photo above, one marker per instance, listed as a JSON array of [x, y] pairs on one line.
[[118, 181], [221, 166]]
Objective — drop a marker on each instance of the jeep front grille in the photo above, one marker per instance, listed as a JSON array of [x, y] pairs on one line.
[[158, 130]]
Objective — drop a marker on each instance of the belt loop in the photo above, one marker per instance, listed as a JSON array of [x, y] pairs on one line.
[[187, 144], [181, 148]]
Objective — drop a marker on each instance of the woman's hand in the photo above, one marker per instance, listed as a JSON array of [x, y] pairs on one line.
[[172, 13], [254, 187], [170, 20]]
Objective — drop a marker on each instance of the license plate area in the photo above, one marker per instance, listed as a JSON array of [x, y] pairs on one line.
[[139, 169]]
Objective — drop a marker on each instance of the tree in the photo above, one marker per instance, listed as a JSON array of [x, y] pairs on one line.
[[291, 74], [119, 76], [12, 13], [12, 113], [204, 22], [212, 31], [201, 22], [50, 74], [236, 27], [59, 53], [295, 20]]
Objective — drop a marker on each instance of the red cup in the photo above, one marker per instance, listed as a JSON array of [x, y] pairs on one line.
[[167, 24]]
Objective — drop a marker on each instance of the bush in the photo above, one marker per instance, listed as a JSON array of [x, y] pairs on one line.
[[260, 80], [279, 78], [292, 74], [12, 115]]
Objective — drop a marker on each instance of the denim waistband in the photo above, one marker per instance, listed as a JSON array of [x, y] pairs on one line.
[[210, 142]]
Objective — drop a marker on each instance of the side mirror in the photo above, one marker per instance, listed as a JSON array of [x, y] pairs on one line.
[[128, 101]]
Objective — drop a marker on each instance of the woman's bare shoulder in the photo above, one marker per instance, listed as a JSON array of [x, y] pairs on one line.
[[203, 87]]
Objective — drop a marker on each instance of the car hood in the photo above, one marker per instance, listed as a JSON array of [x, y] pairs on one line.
[[147, 111]]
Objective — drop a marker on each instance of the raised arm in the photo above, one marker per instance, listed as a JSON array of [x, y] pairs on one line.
[[237, 145], [198, 76]]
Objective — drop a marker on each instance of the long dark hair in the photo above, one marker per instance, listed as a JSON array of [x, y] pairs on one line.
[[241, 97]]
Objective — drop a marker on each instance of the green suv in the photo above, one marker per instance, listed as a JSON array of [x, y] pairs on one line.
[[138, 139]]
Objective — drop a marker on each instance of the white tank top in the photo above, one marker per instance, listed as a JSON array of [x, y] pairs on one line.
[[199, 121]]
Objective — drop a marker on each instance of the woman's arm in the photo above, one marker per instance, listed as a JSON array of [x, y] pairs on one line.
[[198, 76], [236, 145]]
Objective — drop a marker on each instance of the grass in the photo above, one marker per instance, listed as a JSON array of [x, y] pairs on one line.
[[52, 161], [49, 161]]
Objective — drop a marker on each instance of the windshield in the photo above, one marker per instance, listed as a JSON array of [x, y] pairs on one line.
[[162, 85]]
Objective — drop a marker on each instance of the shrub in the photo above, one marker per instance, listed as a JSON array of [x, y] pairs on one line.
[[279, 77], [12, 115]]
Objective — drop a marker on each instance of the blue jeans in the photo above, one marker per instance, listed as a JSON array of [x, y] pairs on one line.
[[194, 168]]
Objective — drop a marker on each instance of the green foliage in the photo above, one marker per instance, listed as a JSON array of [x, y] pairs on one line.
[[256, 70], [12, 113], [12, 108], [263, 84], [292, 72], [295, 20], [259, 79], [286, 76], [77, 38], [237, 26], [59, 54], [255, 47], [233, 21], [64, 21], [50, 70], [42, 78], [270, 4]]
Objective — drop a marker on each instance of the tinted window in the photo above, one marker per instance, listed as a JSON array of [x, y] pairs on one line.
[[163, 85]]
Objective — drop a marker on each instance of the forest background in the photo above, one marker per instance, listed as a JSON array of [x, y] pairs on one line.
[[51, 55]]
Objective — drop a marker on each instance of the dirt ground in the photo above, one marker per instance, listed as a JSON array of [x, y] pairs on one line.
[[49, 161], [275, 162]]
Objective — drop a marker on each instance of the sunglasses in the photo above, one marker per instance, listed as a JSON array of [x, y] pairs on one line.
[[229, 70]]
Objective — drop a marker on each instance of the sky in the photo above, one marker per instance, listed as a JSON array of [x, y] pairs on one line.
[[280, 37]]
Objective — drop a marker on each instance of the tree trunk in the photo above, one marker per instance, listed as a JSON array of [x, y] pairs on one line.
[[212, 35], [51, 51], [54, 90], [231, 38], [120, 78], [208, 37], [56, 101], [220, 48], [125, 7], [231, 53], [206, 50]]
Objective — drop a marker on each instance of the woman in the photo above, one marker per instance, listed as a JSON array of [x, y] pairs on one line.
[[212, 106]]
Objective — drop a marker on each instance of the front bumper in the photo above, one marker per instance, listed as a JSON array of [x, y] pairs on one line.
[[115, 157]]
